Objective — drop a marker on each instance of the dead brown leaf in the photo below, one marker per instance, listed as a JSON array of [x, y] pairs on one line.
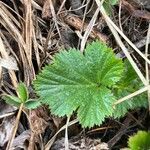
[[20, 141], [6, 128], [83, 143]]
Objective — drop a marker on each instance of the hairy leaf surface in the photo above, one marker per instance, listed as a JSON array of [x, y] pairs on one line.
[[76, 81], [128, 84], [140, 141]]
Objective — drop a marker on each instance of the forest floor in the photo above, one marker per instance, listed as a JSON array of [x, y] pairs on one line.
[[31, 32]]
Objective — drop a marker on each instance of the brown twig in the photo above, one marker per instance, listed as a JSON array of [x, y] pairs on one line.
[[76, 22], [9, 145], [134, 11], [120, 133]]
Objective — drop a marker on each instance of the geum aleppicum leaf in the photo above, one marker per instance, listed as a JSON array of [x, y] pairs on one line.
[[12, 100], [32, 104], [128, 84], [139, 141], [82, 82], [22, 92]]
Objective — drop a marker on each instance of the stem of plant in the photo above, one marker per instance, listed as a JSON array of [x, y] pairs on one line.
[[10, 142], [66, 134], [50, 142]]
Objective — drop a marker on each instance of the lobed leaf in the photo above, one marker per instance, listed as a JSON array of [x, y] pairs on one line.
[[82, 82], [140, 141], [128, 84]]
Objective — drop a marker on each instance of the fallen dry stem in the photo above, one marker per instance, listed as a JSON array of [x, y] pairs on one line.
[[66, 135], [146, 64], [50, 142], [88, 30], [10, 142], [120, 43], [78, 24], [5, 56], [108, 20], [146, 88]]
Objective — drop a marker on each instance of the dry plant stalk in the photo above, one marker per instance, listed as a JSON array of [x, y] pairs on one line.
[[114, 30], [28, 37], [146, 64], [10, 142], [76, 22]]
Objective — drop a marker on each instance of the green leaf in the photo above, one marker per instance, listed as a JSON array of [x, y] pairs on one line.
[[32, 104], [12, 100], [76, 81], [113, 2], [108, 5], [128, 84], [140, 141], [22, 92]]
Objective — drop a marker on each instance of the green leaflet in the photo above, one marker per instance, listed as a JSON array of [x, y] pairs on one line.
[[81, 82], [112, 2], [23, 97], [140, 141], [32, 104], [22, 92], [128, 84], [108, 5], [12, 100]]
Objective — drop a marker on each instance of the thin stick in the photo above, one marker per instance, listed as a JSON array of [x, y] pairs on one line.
[[132, 95], [124, 49], [120, 25], [50, 142], [54, 17], [146, 64], [6, 115], [9, 145], [89, 28], [102, 10], [66, 135], [61, 6]]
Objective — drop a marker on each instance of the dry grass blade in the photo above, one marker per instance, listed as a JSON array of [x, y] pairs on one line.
[[66, 135], [16, 35], [146, 64], [5, 56], [88, 30], [10, 15], [10, 142], [118, 40], [8, 23], [35, 5], [132, 95], [114, 30], [62, 5], [54, 17], [35, 45], [28, 29], [50, 142], [6, 115], [28, 36], [9, 46], [120, 32]]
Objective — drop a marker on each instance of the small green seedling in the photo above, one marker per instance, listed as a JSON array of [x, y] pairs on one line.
[[139, 141], [23, 98], [89, 84], [21, 101]]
